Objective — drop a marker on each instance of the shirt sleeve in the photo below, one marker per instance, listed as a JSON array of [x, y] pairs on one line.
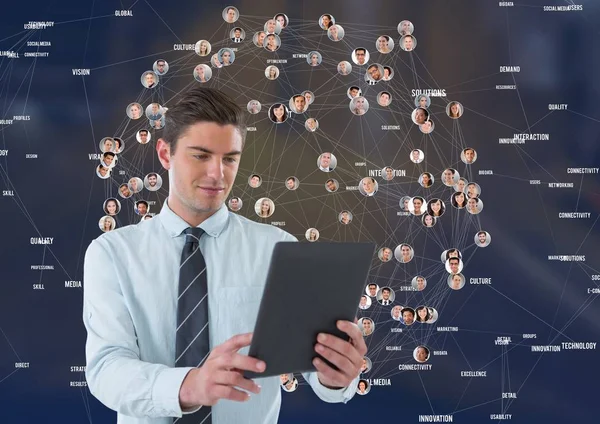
[[326, 394], [115, 374]]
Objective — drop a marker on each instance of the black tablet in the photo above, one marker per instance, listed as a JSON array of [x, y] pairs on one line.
[[309, 287]]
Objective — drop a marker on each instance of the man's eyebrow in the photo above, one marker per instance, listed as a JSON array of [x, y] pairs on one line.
[[202, 149]]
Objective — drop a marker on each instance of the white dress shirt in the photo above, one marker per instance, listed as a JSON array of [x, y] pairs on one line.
[[130, 304]]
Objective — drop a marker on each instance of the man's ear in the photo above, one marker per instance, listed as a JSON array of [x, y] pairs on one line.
[[163, 150]]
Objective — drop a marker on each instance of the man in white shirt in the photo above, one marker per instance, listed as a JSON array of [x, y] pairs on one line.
[[130, 302]]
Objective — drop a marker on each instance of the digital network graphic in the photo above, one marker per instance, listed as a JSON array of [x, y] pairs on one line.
[[463, 145]]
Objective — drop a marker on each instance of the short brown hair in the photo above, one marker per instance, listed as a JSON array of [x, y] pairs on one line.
[[202, 104]]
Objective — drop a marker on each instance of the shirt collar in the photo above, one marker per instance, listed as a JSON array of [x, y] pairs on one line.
[[175, 225]]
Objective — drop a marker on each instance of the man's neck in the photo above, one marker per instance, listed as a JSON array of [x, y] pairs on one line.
[[192, 218]]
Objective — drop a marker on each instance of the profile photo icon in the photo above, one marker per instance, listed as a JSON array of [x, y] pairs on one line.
[[344, 67], [272, 42], [109, 160], [125, 191], [450, 253], [291, 385], [157, 124], [326, 21], [366, 365], [230, 14], [419, 283], [368, 186], [417, 206], [386, 296], [202, 73], [388, 173], [354, 92], [396, 313], [372, 289], [473, 190], [149, 79], [388, 73], [450, 177], [335, 33], [420, 115], [417, 156], [312, 234], [311, 124], [282, 20], [202, 48], [427, 127], [254, 180], [374, 72], [405, 28], [474, 205], [366, 326], [408, 316], [385, 254], [359, 105], [107, 144], [428, 220], [135, 184], [454, 110], [154, 111], [384, 44], [214, 61], [326, 162], [111, 206], [259, 38], [160, 67], [226, 56], [309, 96], [272, 27], [421, 354], [103, 171], [454, 265], [264, 207], [134, 111], [426, 180], [292, 183], [483, 239], [345, 217], [436, 207], [360, 56], [468, 155], [278, 113], [422, 314], [331, 185], [254, 107], [408, 43], [456, 281], [404, 253], [153, 181], [314, 58], [384, 98], [272, 72], [363, 387], [235, 204], [143, 136], [365, 302], [107, 223], [237, 35], [422, 101], [141, 207], [298, 104]]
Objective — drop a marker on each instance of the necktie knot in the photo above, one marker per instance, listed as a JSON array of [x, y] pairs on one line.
[[193, 234]]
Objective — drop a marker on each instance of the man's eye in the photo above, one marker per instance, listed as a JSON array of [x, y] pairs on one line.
[[200, 156], [230, 160]]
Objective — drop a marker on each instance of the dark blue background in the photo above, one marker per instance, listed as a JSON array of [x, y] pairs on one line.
[[460, 47]]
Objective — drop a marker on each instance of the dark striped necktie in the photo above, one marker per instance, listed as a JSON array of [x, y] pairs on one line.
[[192, 316]]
